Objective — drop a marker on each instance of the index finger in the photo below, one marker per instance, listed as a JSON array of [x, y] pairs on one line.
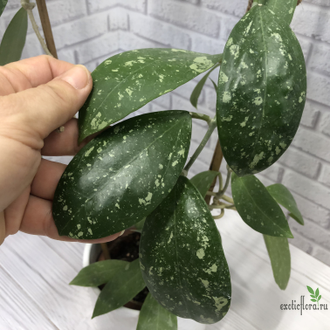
[[32, 72]]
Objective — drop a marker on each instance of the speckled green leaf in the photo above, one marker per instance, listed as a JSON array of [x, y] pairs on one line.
[[13, 40], [181, 257], [257, 207], [121, 176], [199, 87], [283, 196], [3, 4], [122, 287], [279, 254], [283, 9], [98, 273], [126, 82], [155, 317], [261, 91], [203, 181]]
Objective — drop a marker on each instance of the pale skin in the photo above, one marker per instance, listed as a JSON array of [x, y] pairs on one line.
[[37, 96]]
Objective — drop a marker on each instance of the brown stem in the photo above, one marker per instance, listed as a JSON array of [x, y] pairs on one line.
[[215, 166], [105, 251], [46, 27]]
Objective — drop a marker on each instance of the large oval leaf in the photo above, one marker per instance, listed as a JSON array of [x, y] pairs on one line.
[[283, 196], [181, 257], [279, 254], [3, 4], [257, 207], [123, 286], [122, 175], [261, 92], [127, 81], [155, 317], [13, 40]]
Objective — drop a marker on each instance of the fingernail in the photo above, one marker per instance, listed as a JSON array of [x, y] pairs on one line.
[[77, 77], [121, 233]]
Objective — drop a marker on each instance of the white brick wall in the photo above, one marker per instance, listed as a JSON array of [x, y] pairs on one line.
[[89, 31]]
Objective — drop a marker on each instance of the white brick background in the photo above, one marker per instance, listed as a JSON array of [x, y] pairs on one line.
[[89, 31]]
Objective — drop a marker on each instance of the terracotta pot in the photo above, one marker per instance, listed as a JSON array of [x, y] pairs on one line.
[[125, 318]]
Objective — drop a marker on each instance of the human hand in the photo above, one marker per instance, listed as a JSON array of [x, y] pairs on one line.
[[37, 96]]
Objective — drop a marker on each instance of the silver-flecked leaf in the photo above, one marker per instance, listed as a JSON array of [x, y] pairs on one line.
[[181, 256], [122, 175], [261, 91], [127, 81]]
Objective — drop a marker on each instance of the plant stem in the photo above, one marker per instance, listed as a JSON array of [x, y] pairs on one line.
[[209, 132], [227, 199], [46, 27], [28, 7], [223, 190], [200, 116]]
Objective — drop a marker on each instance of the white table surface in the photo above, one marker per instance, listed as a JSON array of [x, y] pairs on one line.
[[35, 272]]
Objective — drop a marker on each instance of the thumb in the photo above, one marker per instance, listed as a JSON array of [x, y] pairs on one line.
[[48, 106]]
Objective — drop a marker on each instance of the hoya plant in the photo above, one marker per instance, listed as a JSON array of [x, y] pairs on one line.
[[134, 173]]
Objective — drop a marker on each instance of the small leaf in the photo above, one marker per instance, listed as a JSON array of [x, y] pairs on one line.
[[123, 287], [122, 175], [283, 196], [98, 273], [127, 81], [313, 300], [3, 4], [310, 289], [182, 260], [317, 292], [13, 40], [279, 254], [261, 91], [203, 181], [312, 296], [155, 317], [318, 299], [257, 208], [198, 89]]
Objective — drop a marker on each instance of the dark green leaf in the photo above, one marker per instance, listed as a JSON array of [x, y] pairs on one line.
[[3, 4], [257, 207], [313, 300], [155, 317], [13, 40], [198, 89], [318, 299], [283, 196], [279, 254], [98, 273], [182, 259], [203, 181], [310, 289], [261, 92], [317, 292], [126, 82], [122, 175], [123, 287]]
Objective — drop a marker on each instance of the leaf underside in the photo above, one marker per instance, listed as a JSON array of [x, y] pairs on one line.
[[127, 81], [279, 254], [257, 208], [182, 259], [261, 92], [122, 175]]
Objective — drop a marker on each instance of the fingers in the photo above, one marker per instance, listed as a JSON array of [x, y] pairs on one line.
[[38, 220], [45, 181], [29, 73]]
